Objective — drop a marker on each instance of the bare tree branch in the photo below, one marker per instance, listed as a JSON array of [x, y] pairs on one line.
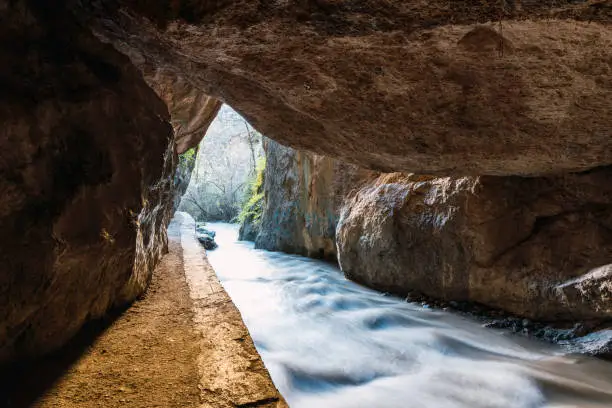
[[251, 147], [193, 201]]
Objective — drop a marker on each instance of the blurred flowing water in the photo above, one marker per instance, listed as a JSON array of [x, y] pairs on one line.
[[329, 342]]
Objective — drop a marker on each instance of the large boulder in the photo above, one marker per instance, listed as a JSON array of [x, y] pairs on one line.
[[537, 247], [85, 178], [249, 229], [431, 87]]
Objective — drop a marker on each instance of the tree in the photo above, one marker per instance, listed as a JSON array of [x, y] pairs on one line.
[[252, 140], [227, 160]]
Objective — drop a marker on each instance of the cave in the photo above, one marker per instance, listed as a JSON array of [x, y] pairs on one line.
[[469, 142]]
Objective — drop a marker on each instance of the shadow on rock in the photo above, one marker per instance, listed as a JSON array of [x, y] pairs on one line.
[[23, 383]]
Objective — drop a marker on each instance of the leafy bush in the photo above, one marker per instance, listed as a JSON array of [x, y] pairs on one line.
[[224, 166], [188, 158]]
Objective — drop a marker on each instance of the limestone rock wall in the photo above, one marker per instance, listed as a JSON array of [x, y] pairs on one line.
[[284, 216], [86, 165], [436, 87], [250, 227], [303, 193], [536, 247], [182, 176], [249, 230]]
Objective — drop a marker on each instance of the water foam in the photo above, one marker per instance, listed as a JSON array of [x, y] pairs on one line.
[[329, 342]]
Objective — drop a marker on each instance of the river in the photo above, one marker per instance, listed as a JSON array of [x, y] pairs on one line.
[[330, 343]]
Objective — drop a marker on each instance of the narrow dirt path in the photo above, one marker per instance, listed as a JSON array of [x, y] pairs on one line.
[[232, 372], [165, 351]]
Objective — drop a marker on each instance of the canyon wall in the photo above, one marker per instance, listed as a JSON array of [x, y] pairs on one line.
[[251, 214], [86, 174], [302, 197], [536, 247]]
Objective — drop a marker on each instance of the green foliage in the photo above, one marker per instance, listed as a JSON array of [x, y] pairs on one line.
[[188, 158], [186, 164], [252, 206]]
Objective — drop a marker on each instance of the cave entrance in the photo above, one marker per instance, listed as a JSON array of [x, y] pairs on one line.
[[226, 171]]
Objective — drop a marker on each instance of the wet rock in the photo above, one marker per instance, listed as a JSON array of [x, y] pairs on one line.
[[587, 337], [535, 247], [201, 230], [207, 241], [206, 237], [249, 230], [596, 344]]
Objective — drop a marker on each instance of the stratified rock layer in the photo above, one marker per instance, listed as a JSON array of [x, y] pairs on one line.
[[536, 247], [437, 87], [86, 166]]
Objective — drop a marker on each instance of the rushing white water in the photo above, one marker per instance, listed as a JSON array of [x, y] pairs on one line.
[[329, 343]]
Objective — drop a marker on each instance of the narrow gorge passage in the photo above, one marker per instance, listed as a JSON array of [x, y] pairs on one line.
[[457, 152], [182, 345], [328, 342]]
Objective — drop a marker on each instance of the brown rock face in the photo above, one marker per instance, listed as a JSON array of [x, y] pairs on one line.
[[191, 111], [537, 247], [85, 178], [303, 194], [427, 87]]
